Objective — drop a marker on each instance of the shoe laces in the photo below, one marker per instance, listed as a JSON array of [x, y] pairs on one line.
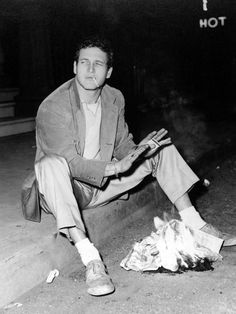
[[96, 270]]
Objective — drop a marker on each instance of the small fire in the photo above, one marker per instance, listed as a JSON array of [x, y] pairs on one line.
[[174, 247]]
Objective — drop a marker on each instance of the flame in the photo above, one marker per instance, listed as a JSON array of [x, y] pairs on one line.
[[173, 247]]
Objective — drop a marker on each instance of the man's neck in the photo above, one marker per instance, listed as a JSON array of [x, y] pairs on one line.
[[88, 96]]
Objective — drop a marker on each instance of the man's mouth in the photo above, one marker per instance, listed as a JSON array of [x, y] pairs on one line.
[[92, 78]]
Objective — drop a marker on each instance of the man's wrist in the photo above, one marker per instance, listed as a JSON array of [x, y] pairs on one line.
[[111, 169], [115, 169]]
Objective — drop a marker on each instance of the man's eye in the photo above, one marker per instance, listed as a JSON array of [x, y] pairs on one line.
[[99, 63]]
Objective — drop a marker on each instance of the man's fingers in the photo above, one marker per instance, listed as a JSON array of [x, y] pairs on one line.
[[154, 144], [160, 134], [156, 135], [163, 130], [150, 135], [138, 151], [165, 141]]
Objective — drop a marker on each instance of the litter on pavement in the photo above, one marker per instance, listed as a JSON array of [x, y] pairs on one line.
[[51, 276]]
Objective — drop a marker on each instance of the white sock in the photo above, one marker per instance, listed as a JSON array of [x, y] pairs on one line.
[[192, 218], [87, 251]]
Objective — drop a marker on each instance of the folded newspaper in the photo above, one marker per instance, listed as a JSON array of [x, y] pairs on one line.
[[173, 247]]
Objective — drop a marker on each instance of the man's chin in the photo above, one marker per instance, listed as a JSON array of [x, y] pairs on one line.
[[91, 88]]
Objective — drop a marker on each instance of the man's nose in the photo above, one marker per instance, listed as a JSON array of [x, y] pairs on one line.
[[91, 68]]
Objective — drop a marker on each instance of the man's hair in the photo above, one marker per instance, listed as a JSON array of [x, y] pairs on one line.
[[98, 42]]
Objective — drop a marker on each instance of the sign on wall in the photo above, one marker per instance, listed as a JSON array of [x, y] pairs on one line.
[[211, 22]]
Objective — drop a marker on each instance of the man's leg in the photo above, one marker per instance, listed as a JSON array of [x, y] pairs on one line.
[[173, 174], [118, 186], [176, 179], [54, 181]]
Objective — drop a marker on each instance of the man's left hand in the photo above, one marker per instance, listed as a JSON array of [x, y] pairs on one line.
[[158, 141]]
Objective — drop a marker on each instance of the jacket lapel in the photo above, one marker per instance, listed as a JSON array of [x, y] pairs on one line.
[[108, 121], [108, 124], [78, 117]]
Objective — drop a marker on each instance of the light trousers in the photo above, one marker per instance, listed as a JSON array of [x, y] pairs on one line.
[[65, 197]]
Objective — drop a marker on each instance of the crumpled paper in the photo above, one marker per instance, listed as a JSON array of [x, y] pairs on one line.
[[173, 246]]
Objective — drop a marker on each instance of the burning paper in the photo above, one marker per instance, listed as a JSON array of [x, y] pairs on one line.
[[173, 247]]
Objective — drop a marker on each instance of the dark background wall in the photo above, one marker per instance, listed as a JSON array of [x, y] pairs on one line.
[[159, 46]]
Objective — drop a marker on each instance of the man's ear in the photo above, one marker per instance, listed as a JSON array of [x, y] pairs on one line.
[[75, 67], [109, 72]]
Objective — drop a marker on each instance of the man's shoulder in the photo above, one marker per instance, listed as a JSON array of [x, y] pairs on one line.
[[113, 95], [58, 98], [112, 91]]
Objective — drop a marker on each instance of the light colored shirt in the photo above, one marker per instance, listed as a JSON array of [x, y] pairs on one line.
[[92, 134]]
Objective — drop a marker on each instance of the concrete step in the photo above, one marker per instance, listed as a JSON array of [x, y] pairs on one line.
[[7, 109], [8, 94], [16, 125], [29, 251]]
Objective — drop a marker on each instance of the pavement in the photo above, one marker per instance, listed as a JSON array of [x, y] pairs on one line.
[[29, 251]]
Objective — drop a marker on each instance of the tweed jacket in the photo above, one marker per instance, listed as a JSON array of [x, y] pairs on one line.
[[60, 130]]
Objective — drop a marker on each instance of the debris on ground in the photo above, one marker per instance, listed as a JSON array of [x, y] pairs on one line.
[[52, 275], [206, 182], [12, 305], [173, 247]]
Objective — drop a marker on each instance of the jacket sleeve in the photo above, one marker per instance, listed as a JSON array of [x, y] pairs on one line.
[[54, 137], [124, 140]]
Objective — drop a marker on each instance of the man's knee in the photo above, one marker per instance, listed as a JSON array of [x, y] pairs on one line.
[[166, 150], [51, 161]]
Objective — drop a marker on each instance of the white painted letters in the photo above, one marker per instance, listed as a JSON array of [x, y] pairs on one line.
[[204, 5], [212, 22], [203, 23], [222, 19]]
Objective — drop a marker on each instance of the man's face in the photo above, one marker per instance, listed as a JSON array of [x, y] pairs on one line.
[[91, 70]]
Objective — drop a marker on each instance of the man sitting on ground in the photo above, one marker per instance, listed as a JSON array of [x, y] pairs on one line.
[[86, 157]]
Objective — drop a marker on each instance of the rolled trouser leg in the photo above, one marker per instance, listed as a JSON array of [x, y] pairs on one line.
[[173, 174], [54, 181]]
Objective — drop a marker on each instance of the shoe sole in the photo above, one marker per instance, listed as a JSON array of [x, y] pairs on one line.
[[104, 290], [229, 243]]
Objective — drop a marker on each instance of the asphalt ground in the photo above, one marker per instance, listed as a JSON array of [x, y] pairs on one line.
[[29, 251], [190, 292]]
